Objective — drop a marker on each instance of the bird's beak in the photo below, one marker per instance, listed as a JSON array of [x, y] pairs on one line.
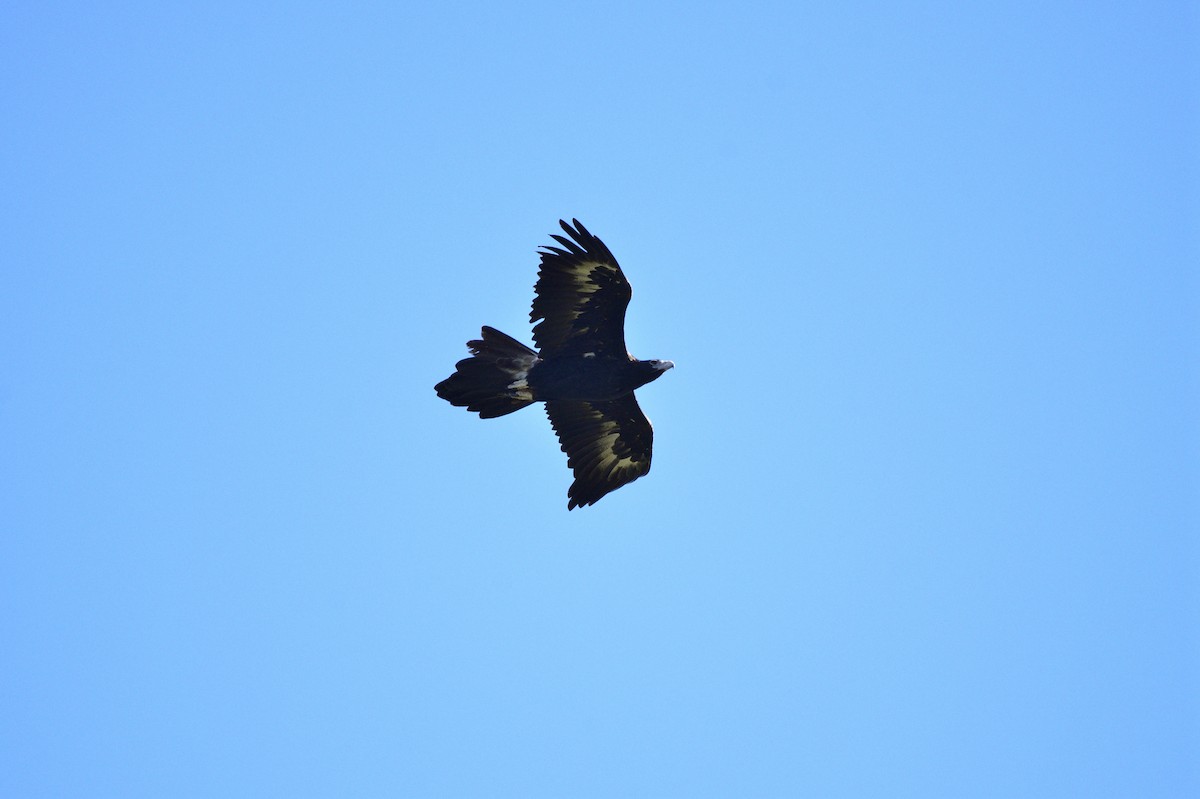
[[663, 366]]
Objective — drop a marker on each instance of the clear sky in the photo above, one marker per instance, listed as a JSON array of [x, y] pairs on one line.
[[925, 504]]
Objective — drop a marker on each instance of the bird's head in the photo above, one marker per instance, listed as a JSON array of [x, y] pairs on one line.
[[648, 371]]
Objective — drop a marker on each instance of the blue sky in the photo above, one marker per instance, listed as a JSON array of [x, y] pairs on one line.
[[924, 508]]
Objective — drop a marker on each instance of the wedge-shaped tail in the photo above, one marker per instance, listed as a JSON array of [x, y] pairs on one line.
[[494, 380]]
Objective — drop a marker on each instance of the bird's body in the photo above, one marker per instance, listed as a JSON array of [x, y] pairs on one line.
[[575, 377], [582, 370]]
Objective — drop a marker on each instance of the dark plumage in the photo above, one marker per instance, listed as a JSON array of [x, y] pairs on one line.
[[581, 369]]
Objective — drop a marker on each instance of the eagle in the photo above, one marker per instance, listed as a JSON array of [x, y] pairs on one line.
[[581, 368]]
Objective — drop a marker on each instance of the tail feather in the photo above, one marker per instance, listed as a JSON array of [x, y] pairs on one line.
[[493, 381]]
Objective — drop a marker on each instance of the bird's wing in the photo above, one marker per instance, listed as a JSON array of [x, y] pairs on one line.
[[580, 297], [608, 444]]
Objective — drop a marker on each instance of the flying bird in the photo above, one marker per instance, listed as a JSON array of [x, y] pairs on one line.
[[581, 368]]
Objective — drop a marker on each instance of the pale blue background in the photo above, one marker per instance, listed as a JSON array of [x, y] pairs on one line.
[[924, 509]]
